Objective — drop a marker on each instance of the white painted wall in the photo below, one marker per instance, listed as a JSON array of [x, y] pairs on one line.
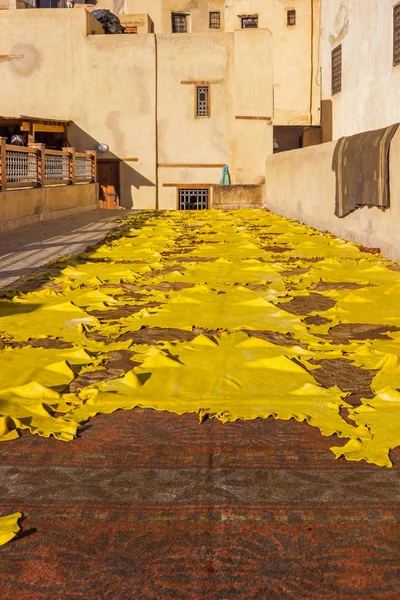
[[370, 96]]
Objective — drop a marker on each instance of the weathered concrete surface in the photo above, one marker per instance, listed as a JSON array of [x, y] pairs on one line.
[[231, 197], [25, 249], [23, 207]]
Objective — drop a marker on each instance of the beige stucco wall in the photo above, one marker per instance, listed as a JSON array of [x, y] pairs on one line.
[[142, 22], [126, 91], [230, 62], [115, 103], [296, 89], [297, 86], [105, 84], [301, 185], [253, 97], [22, 207], [198, 12], [370, 84], [182, 138]]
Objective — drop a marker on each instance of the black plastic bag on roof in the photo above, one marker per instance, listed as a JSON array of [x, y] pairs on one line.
[[110, 22]]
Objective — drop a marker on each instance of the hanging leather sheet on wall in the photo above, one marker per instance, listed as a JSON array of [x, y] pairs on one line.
[[361, 165]]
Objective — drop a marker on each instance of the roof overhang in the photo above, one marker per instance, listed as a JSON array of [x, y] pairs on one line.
[[29, 123]]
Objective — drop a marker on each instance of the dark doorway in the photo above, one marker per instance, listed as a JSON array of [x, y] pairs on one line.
[[108, 178]]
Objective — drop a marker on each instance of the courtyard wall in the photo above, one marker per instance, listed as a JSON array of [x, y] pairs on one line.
[[300, 184], [23, 207]]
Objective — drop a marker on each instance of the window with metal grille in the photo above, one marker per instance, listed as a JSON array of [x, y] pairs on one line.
[[291, 18], [193, 198], [396, 35], [179, 23], [215, 20], [249, 22], [202, 101], [337, 70]]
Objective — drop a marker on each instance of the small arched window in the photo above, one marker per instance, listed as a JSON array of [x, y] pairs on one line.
[[202, 101]]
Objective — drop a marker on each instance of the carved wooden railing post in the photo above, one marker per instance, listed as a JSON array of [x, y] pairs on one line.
[[3, 159], [41, 163], [72, 171], [93, 164]]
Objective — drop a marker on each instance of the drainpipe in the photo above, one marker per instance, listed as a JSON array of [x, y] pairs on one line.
[[156, 113], [312, 60]]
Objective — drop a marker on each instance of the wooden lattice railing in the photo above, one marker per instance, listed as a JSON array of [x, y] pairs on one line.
[[35, 166]]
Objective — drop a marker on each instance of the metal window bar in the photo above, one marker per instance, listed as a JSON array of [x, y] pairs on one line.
[[291, 18], [337, 70], [215, 20], [249, 22], [21, 167], [56, 168], [193, 198], [83, 167], [179, 23], [202, 98], [396, 35]]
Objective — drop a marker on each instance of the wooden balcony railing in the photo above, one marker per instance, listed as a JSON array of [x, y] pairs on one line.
[[35, 166]]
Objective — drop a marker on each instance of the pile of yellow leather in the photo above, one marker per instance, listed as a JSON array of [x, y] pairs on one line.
[[234, 276], [9, 527]]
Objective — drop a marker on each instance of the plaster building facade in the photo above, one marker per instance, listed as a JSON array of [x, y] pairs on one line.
[[295, 29], [200, 85], [168, 123], [18, 4], [294, 24], [360, 58]]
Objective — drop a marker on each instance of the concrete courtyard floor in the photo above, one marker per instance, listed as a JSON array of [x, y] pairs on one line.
[[25, 249], [145, 504]]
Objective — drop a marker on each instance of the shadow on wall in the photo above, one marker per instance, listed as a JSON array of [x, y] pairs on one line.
[[130, 177]]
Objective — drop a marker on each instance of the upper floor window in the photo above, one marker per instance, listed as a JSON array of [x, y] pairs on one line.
[[396, 35], [215, 20], [291, 18], [202, 101], [179, 23], [337, 70], [249, 21]]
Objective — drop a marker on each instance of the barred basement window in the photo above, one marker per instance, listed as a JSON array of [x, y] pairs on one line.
[[396, 35], [249, 22], [202, 101], [337, 70], [179, 23], [215, 20], [291, 18], [193, 198]]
